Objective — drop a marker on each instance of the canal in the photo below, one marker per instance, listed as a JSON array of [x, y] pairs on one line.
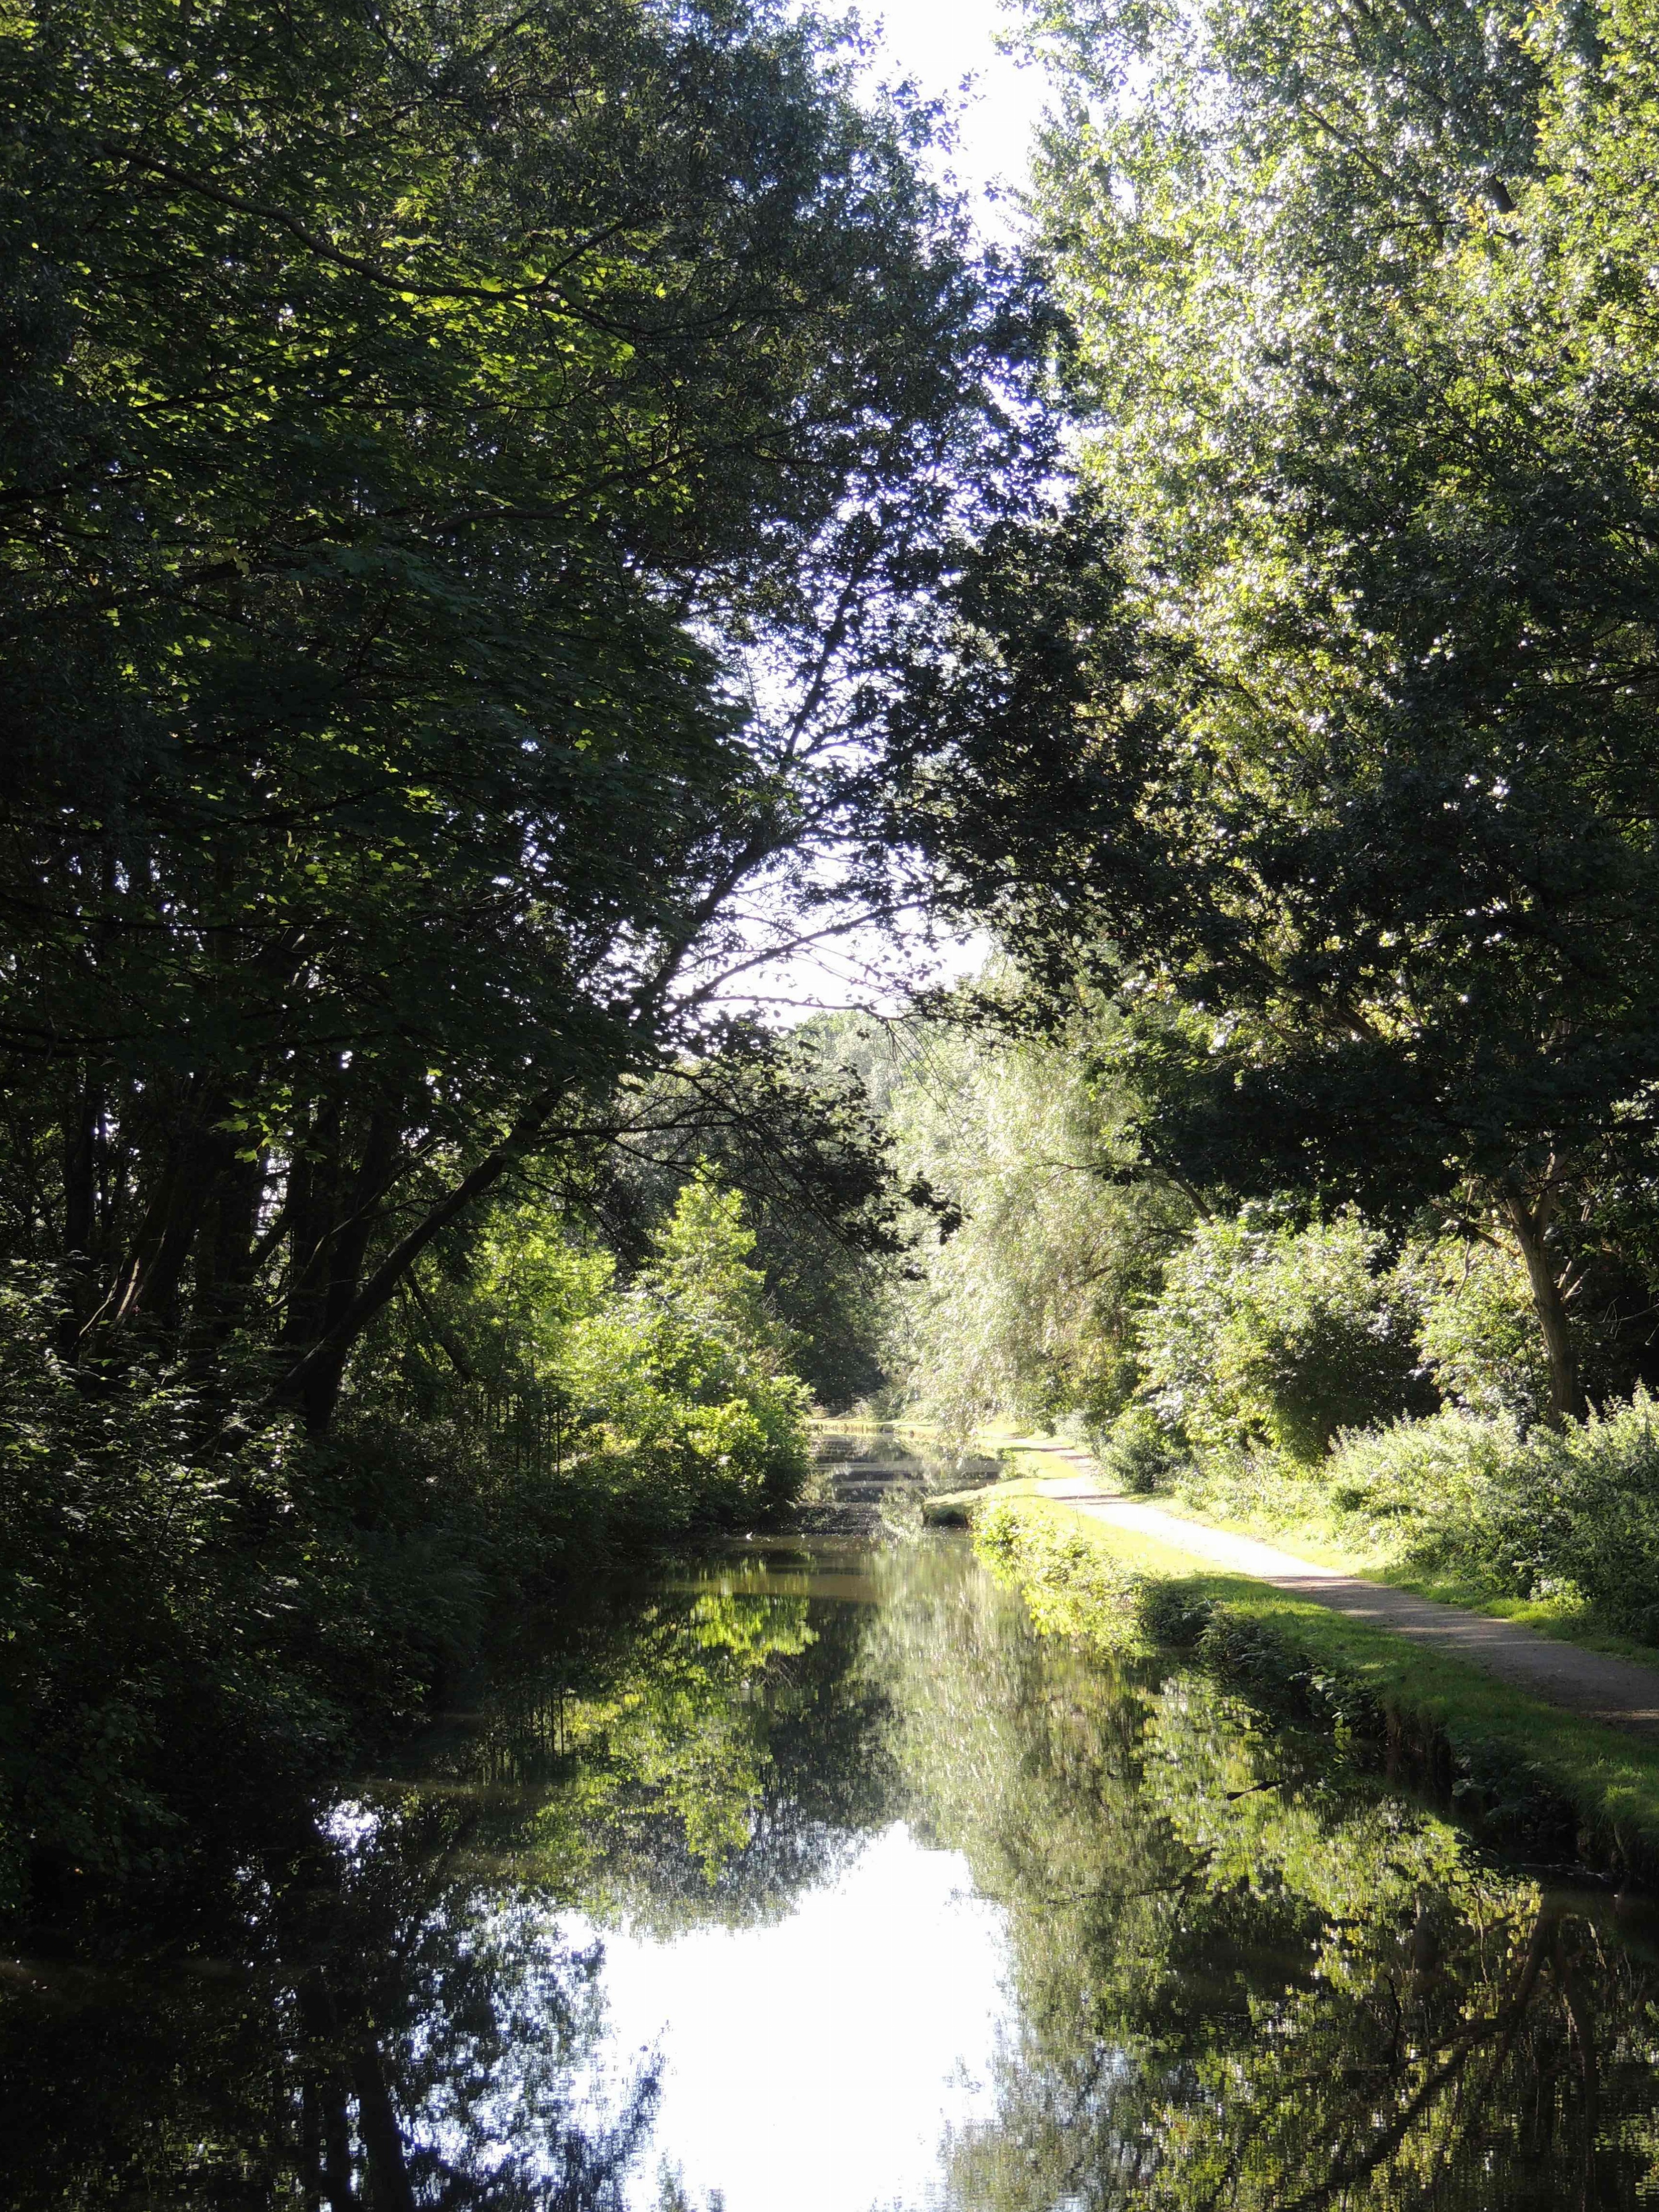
[[810, 1879]]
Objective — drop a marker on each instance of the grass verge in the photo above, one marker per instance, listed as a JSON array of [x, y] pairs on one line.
[[1525, 1775], [1565, 1619]]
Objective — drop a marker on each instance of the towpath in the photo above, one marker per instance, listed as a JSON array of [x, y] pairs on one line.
[[1594, 1683]]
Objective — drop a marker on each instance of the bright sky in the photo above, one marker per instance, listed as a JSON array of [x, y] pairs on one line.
[[949, 49], [814, 2064], [941, 42]]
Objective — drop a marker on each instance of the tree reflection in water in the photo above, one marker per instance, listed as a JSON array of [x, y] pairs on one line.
[[380, 2011], [390, 2030], [1245, 1977]]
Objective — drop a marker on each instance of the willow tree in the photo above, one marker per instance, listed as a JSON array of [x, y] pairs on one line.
[[1328, 707], [411, 410]]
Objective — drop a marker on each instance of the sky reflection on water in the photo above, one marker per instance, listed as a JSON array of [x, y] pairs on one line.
[[819, 2059]]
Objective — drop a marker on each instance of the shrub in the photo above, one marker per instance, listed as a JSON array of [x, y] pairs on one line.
[[1171, 1613], [647, 1412], [1479, 1331], [1573, 1511], [1610, 1495], [1280, 1337], [684, 1380], [1137, 1452], [175, 1622], [1457, 1494]]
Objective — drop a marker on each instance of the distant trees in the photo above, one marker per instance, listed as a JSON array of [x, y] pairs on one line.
[[1056, 1232], [1326, 710]]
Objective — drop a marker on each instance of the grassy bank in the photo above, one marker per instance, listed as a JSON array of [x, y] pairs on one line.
[[1297, 1516], [1527, 1775]]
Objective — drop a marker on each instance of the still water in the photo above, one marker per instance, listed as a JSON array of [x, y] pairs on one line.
[[814, 1881]]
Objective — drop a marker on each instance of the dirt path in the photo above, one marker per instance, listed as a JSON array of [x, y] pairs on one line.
[[1601, 1688]]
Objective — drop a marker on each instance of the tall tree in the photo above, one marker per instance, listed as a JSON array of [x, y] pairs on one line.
[[1328, 710], [411, 407]]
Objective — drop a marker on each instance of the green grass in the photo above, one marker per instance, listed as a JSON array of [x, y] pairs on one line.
[[1564, 1619], [1610, 1778]]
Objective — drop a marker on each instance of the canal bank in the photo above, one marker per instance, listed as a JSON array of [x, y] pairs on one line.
[[1542, 1744]]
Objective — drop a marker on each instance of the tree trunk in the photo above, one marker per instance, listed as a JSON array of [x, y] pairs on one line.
[[342, 1259], [79, 1181], [80, 1216], [1566, 1391], [388, 2176], [225, 1265], [313, 1175], [199, 1153], [313, 1383]]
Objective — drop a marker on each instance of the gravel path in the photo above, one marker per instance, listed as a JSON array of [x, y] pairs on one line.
[[1593, 1683]]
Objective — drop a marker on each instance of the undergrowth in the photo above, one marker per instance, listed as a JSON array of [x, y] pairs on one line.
[[1570, 1515]]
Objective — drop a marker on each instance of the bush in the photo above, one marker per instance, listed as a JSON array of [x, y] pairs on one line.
[[178, 1620], [1457, 1494], [649, 1412], [1137, 1452], [1171, 1613], [685, 1381], [1573, 1512], [1480, 1336], [190, 1624], [1280, 1337]]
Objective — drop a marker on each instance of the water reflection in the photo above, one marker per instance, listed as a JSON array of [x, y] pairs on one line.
[[827, 2051], [1245, 1980], [825, 1882]]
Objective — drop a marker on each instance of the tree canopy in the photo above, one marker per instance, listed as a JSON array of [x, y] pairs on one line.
[[411, 412], [1326, 708]]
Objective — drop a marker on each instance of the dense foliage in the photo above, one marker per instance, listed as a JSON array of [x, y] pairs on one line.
[[456, 457], [183, 1637], [413, 414], [1324, 710], [1279, 1337], [512, 516]]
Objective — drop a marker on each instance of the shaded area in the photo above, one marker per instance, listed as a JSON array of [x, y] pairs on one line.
[[381, 2007], [1240, 1972]]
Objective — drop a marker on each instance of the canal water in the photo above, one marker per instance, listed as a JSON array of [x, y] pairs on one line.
[[811, 1880]]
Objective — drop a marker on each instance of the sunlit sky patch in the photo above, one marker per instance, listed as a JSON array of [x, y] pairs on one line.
[[940, 43]]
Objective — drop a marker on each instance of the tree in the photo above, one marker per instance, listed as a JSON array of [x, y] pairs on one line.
[[689, 1371], [1326, 710], [1058, 1230], [1266, 1333], [413, 410], [801, 1130]]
